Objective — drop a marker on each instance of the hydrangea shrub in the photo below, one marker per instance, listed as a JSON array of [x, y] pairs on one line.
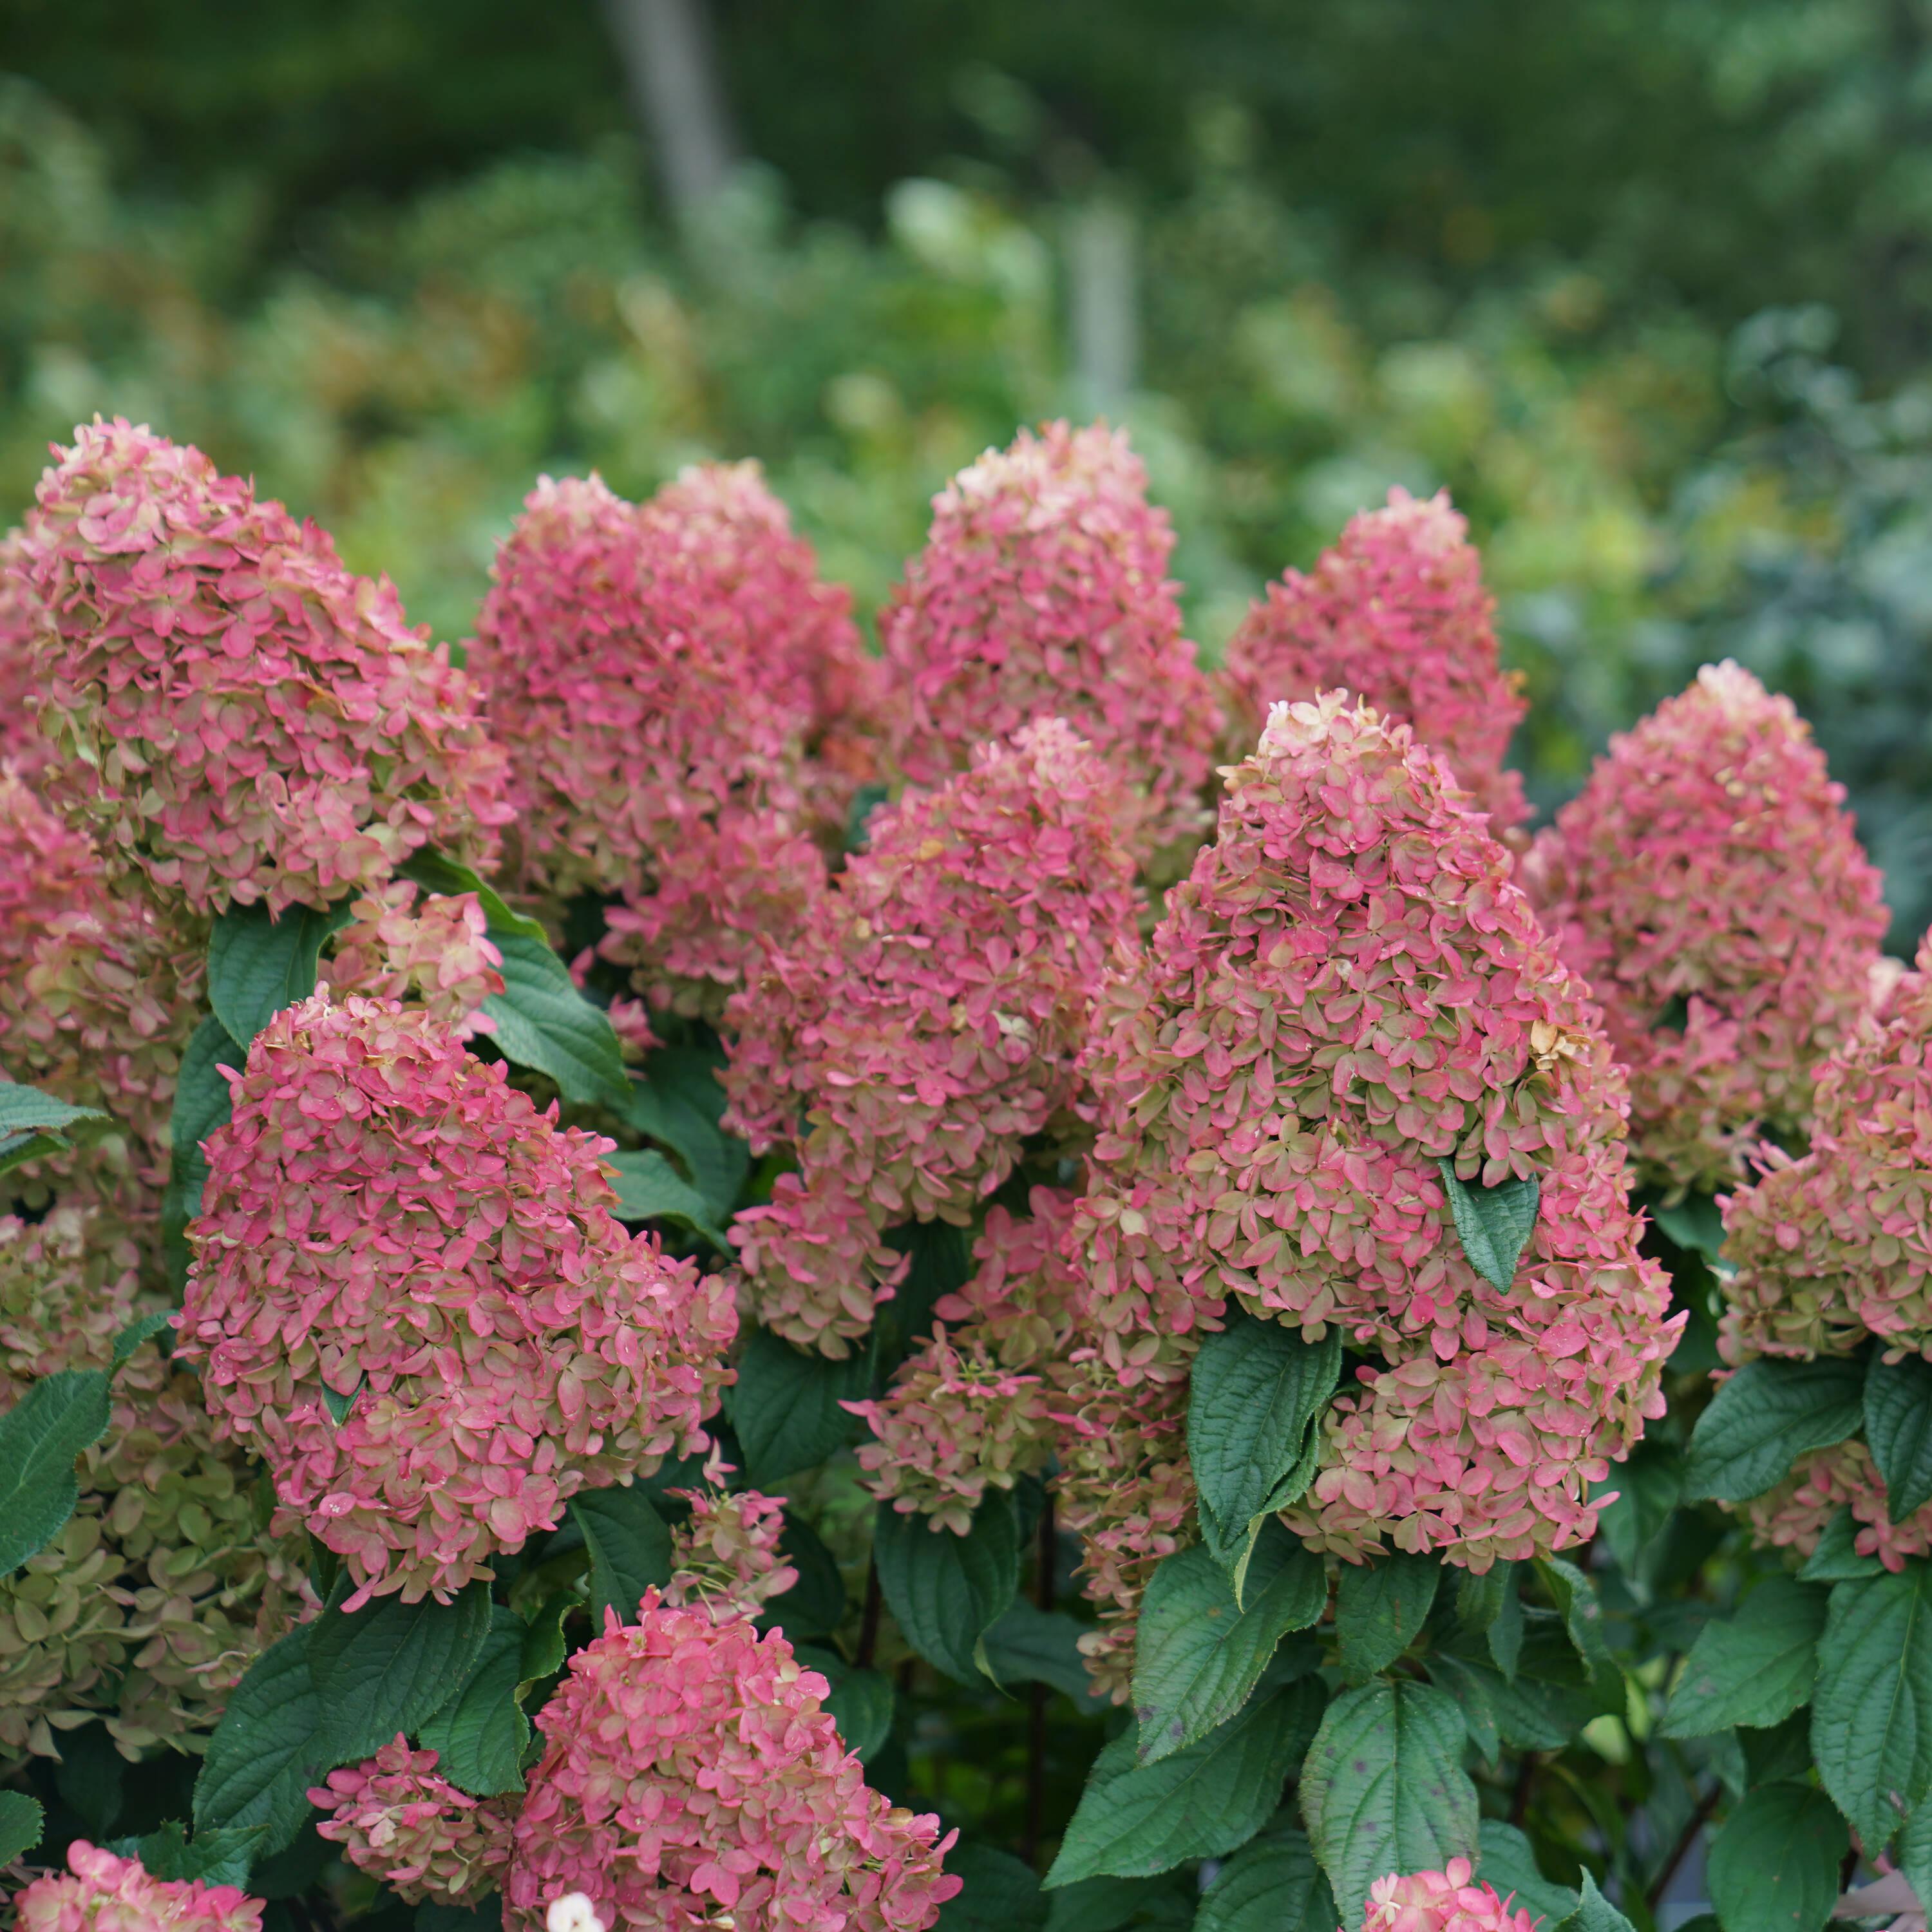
[[663, 1274]]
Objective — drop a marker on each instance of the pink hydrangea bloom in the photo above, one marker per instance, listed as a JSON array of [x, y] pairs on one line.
[[1793, 1515], [1708, 883], [389, 1225], [234, 715], [1837, 1245], [658, 734], [20, 740], [691, 1772], [1042, 591], [976, 1406], [401, 942], [725, 1559], [161, 1588], [396, 1819], [101, 1893], [928, 1022], [1348, 991], [1397, 613], [1442, 1901]]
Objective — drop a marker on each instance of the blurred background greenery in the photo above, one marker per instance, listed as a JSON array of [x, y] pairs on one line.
[[1647, 284]]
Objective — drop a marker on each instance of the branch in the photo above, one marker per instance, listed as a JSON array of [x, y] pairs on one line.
[[1699, 1819]]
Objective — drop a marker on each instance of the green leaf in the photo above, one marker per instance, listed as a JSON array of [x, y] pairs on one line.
[[679, 1103], [1489, 1606], [202, 1104], [1136, 1819], [997, 1894], [1836, 1559], [1773, 1866], [1470, 1685], [860, 1701], [1755, 1669], [21, 1822], [815, 1605], [1764, 1418], [137, 1332], [1575, 1599], [1509, 1864], [540, 1019], [649, 1188], [1257, 1391], [390, 1666], [945, 1590], [1493, 1223], [258, 963], [220, 1856], [1166, 1904], [33, 1123], [1384, 1790], [1027, 1644], [40, 1436], [1273, 1884], [1595, 1913], [1871, 1712], [1898, 1428], [1915, 1851], [787, 1406], [630, 1549], [480, 1734], [544, 1647], [1694, 1224], [267, 1750], [1379, 1608], [1199, 1653]]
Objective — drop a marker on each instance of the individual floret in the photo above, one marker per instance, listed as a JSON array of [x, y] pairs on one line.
[[725, 1559], [1837, 1245], [164, 1585], [398, 1820], [1395, 612], [1348, 993], [658, 736], [928, 1022], [235, 717], [400, 943], [690, 1772], [1449, 1900], [410, 1298], [99, 1892], [1708, 883], [1042, 591]]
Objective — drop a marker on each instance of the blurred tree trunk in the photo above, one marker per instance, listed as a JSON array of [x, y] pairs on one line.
[[1103, 302], [677, 98]]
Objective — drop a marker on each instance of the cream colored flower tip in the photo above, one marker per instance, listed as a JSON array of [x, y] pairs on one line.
[[573, 1912]]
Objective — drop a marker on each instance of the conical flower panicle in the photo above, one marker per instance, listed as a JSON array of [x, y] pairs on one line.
[[1708, 884], [1396, 613], [408, 1296], [690, 1771], [1348, 992], [234, 717], [1042, 591], [928, 1022]]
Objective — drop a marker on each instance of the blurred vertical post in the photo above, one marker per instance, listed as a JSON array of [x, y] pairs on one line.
[[1102, 295], [670, 74]]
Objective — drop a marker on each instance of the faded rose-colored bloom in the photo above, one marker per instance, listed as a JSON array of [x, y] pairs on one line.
[[1043, 592], [1793, 1515], [400, 943], [725, 1559], [389, 1229], [690, 1771], [927, 1023], [1449, 1901], [1397, 613], [657, 725], [164, 1585], [400, 1821], [1347, 991], [976, 1405], [20, 616], [234, 716], [1837, 1245], [1708, 883], [101, 1893]]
